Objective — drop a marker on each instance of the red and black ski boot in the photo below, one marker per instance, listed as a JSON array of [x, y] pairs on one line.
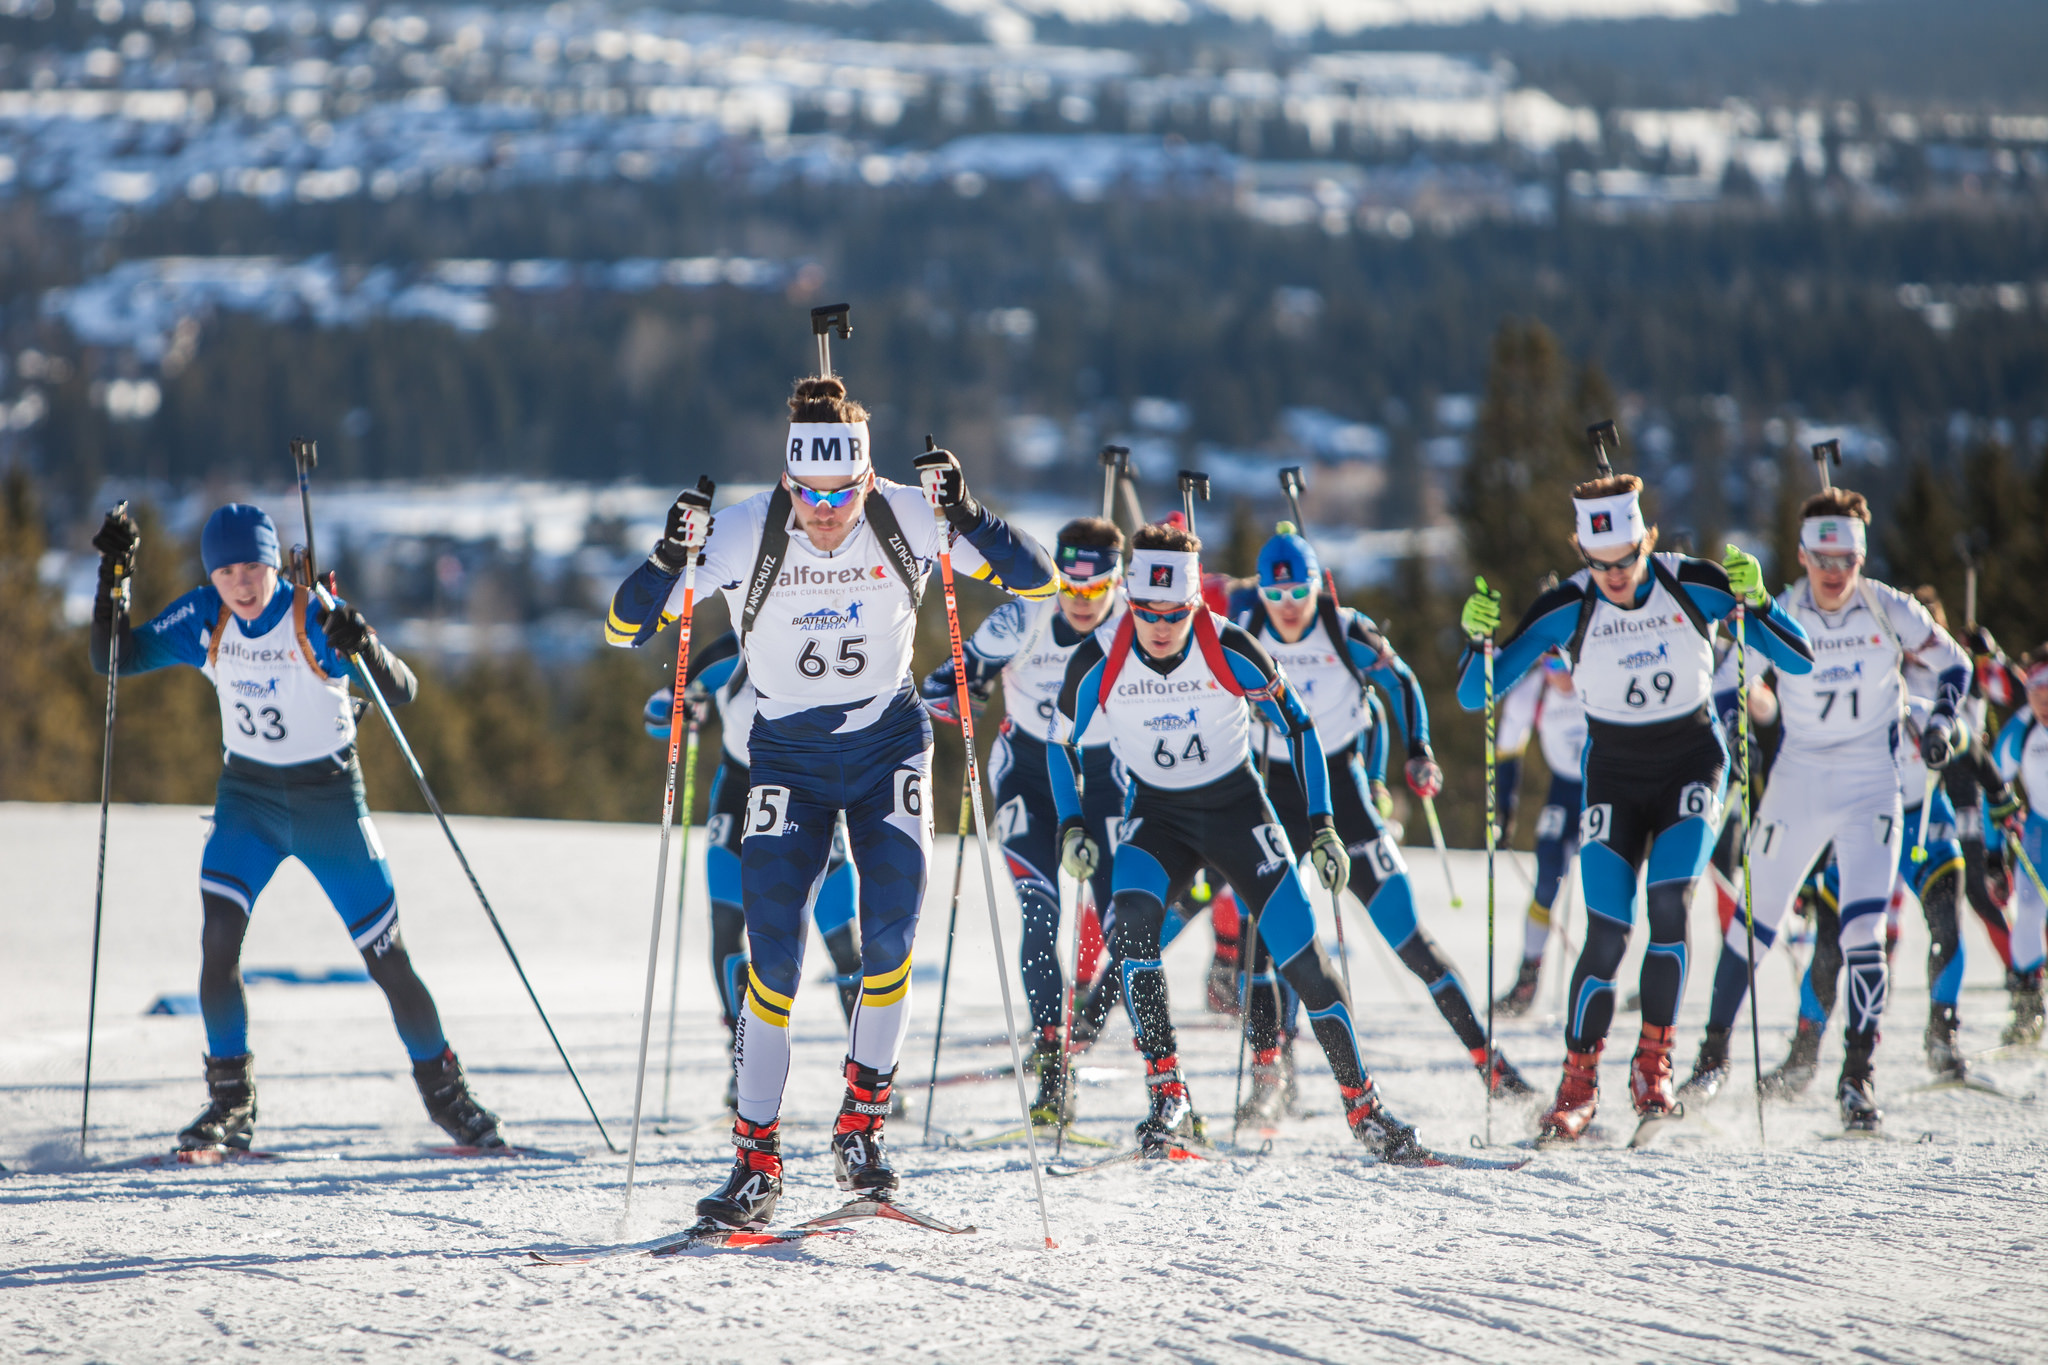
[[1386, 1136], [229, 1119], [859, 1162], [747, 1199], [1578, 1098], [1649, 1073], [1172, 1116], [1502, 1078], [445, 1090]]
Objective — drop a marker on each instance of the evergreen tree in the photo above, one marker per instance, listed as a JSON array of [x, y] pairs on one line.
[[50, 705], [1527, 452]]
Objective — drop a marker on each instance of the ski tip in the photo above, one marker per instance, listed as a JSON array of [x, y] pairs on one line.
[[1051, 1245]]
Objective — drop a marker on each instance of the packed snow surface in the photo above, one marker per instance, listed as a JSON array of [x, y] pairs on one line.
[[359, 1241]]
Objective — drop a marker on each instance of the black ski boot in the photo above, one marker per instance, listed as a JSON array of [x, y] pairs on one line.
[[1522, 994], [1263, 1107], [229, 1119], [1055, 1102], [1173, 1113], [1709, 1069], [1384, 1135], [859, 1163], [1801, 1064], [1944, 1055], [1857, 1091], [1502, 1078], [747, 1199], [2027, 1024], [450, 1105]]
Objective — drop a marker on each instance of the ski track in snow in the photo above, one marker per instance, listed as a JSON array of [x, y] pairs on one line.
[[359, 1242]]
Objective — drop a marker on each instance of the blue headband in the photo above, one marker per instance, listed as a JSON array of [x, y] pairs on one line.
[[1286, 560], [239, 534]]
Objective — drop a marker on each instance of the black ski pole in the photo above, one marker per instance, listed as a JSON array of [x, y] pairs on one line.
[[946, 972], [123, 576], [1248, 931], [303, 452]]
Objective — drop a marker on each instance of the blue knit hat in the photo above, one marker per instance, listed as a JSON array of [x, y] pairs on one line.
[[239, 534], [1287, 561]]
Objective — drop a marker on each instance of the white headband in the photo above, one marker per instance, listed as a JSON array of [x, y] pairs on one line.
[[1165, 576], [1832, 535], [828, 448], [1604, 523]]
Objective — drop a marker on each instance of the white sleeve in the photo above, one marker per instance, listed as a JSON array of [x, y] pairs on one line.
[[1929, 645]]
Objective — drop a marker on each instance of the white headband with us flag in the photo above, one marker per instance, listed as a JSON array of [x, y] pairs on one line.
[[1833, 535], [1165, 575]]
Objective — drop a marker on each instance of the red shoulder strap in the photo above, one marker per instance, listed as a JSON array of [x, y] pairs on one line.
[[1119, 650], [1212, 653]]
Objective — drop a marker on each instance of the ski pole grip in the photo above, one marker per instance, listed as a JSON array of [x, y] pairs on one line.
[[1605, 440]]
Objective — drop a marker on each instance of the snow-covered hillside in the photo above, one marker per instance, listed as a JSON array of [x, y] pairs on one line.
[[1923, 1248]]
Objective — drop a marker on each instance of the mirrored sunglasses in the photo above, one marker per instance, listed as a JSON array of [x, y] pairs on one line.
[[811, 497], [1832, 563], [1089, 589], [1156, 617], [1297, 593]]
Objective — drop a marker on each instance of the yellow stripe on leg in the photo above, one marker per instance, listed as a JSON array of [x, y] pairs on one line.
[[886, 989], [770, 1007]]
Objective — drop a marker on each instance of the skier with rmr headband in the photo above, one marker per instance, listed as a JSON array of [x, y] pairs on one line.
[[1171, 688], [824, 574]]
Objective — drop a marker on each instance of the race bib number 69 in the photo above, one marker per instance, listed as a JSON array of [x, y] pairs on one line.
[[1595, 823]]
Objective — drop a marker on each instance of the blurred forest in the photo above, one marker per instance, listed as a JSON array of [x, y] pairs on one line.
[[509, 738]]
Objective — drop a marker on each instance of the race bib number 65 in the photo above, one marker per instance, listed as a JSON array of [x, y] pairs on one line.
[[766, 809]]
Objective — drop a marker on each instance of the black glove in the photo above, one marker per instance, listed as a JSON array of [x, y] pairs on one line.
[[1936, 747], [347, 631], [687, 528], [1980, 642], [117, 541], [939, 473]]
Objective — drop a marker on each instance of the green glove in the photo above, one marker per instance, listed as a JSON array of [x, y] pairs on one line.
[[1481, 616], [1078, 854], [1382, 799], [1746, 577]]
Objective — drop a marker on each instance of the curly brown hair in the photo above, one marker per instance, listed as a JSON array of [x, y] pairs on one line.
[[823, 399]]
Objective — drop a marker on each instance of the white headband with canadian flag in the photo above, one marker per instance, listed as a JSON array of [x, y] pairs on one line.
[[1607, 522], [1833, 534], [1164, 576], [828, 448]]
